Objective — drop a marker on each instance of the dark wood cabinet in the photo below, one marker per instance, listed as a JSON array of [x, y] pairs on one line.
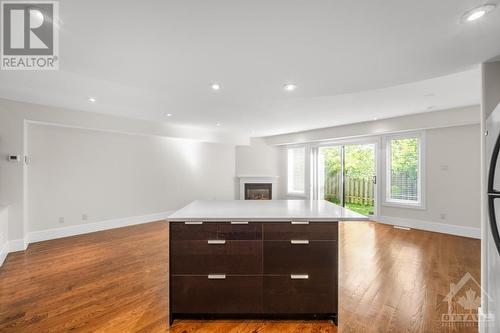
[[286, 294], [300, 230], [238, 231], [313, 257], [193, 231], [254, 269], [216, 256], [216, 294]]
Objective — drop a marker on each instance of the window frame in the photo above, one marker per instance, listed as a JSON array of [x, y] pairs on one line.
[[288, 191], [387, 200]]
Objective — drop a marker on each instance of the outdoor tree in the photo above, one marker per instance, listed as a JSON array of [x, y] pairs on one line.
[[404, 157], [359, 161]]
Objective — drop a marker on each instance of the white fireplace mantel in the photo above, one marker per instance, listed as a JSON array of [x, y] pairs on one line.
[[246, 179]]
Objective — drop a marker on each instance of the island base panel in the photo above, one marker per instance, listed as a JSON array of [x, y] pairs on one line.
[[296, 276]]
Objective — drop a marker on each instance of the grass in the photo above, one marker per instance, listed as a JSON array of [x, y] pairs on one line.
[[362, 209], [358, 208]]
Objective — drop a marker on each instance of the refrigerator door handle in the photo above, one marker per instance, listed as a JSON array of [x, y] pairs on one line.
[[493, 221], [493, 194]]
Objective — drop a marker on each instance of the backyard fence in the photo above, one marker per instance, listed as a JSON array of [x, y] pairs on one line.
[[361, 190], [357, 190]]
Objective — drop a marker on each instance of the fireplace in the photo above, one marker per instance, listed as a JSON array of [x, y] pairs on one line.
[[258, 191], [258, 187]]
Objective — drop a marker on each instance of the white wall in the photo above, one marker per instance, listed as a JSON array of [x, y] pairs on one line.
[[436, 119], [452, 180], [11, 174], [110, 175], [4, 241], [257, 159], [13, 184]]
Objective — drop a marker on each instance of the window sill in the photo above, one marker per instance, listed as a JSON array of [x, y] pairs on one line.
[[402, 204]]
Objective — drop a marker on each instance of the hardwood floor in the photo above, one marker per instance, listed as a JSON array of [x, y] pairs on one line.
[[116, 281]]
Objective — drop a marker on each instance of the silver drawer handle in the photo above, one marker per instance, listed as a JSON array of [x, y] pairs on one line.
[[300, 222], [193, 222], [239, 222], [216, 241], [299, 276], [299, 241], [216, 276]]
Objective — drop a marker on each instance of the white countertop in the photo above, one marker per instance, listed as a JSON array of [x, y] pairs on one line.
[[264, 210]]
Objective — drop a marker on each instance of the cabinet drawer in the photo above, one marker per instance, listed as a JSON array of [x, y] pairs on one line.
[[231, 257], [235, 231], [199, 294], [315, 295], [311, 231], [182, 231], [314, 257]]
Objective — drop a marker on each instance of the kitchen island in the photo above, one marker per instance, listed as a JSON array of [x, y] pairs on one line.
[[255, 259]]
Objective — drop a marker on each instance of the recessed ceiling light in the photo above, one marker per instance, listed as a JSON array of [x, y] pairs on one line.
[[290, 86], [218, 124], [477, 13], [375, 118], [168, 115], [92, 100], [215, 86]]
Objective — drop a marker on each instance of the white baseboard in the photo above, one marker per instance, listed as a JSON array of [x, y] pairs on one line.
[[3, 252], [43, 235], [11, 246], [17, 245], [430, 226]]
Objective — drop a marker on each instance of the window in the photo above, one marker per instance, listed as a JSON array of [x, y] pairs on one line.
[[404, 170], [296, 170]]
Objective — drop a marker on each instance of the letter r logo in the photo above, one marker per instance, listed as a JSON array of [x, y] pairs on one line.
[[28, 28]]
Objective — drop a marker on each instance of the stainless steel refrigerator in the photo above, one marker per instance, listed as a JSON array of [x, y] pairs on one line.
[[493, 237]]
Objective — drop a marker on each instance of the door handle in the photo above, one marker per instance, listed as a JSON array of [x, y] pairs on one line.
[[193, 222], [300, 222], [217, 276], [299, 241], [299, 276], [239, 222], [493, 221], [216, 241]]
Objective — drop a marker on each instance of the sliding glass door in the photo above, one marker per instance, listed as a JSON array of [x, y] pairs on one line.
[[346, 176]]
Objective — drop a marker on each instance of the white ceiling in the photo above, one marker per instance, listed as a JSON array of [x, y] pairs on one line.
[[142, 59]]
